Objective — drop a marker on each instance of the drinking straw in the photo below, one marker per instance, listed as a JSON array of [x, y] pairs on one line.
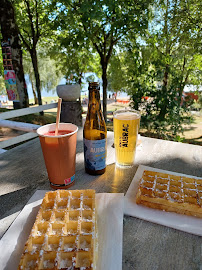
[[58, 116]]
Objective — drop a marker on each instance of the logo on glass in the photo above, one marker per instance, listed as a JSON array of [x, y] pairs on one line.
[[123, 140]]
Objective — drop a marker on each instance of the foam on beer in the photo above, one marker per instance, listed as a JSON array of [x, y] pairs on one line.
[[127, 116]]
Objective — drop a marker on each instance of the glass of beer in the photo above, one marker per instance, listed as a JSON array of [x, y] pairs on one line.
[[126, 126]]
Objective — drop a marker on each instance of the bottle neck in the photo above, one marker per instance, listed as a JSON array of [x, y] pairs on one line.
[[94, 100]]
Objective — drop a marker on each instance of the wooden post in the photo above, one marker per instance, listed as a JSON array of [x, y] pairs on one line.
[[71, 112]]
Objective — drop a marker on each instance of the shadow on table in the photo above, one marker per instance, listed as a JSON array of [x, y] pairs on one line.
[[115, 180], [177, 165], [12, 199]]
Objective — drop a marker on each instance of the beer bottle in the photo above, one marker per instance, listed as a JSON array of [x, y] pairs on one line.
[[95, 134]]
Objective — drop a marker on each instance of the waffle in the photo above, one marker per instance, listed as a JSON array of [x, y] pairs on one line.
[[171, 193], [64, 235]]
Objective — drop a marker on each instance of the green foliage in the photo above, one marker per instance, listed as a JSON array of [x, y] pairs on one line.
[[168, 61], [179, 139], [2, 86], [34, 25], [98, 26], [152, 62], [200, 101], [72, 61], [49, 71], [116, 74], [90, 78], [33, 21]]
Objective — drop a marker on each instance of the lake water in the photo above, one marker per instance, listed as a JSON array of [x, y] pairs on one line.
[[53, 94]]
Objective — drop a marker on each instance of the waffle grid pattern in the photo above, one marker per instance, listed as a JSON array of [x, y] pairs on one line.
[[171, 193], [64, 235]]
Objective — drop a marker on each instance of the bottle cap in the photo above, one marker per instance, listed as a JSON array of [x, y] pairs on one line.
[[94, 86]]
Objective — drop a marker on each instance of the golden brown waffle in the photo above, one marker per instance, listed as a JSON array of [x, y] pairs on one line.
[[171, 193], [64, 235]]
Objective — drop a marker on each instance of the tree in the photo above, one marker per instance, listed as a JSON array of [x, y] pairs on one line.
[[10, 32], [28, 67], [2, 84], [50, 73], [72, 60], [176, 41], [102, 24], [163, 62], [116, 73], [33, 24]]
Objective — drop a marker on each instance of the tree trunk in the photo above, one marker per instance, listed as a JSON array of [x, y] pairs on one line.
[[33, 54], [36, 74], [183, 81], [34, 93], [164, 104], [163, 110], [104, 83], [10, 32], [80, 81]]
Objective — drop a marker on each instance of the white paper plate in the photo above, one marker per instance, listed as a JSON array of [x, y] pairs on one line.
[[180, 222], [110, 231]]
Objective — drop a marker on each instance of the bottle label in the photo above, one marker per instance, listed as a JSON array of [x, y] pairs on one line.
[[95, 154]]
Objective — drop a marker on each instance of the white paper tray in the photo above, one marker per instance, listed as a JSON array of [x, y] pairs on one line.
[[180, 222], [110, 231]]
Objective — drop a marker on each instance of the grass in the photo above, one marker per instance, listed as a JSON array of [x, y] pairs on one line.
[[35, 118], [50, 99], [192, 133], [45, 99]]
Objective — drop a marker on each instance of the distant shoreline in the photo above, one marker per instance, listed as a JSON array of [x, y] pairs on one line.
[[49, 99]]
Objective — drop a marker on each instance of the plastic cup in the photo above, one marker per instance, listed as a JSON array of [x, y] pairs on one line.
[[59, 153]]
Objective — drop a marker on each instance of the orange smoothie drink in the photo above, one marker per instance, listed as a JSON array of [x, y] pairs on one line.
[[59, 153]]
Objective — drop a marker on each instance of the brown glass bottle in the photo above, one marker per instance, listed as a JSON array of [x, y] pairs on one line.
[[95, 134]]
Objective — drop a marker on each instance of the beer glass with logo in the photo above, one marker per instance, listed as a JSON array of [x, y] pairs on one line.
[[126, 126]]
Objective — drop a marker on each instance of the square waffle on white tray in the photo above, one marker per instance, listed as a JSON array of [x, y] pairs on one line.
[[167, 198], [44, 241], [64, 235]]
